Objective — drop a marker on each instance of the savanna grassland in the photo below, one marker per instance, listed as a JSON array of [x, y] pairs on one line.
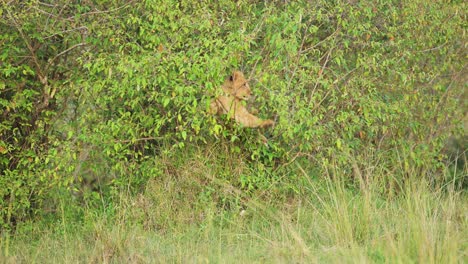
[[108, 153]]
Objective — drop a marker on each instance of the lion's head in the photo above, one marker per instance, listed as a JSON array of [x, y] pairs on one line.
[[237, 85], [236, 89]]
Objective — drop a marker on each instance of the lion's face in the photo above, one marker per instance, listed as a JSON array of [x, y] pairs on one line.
[[238, 86]]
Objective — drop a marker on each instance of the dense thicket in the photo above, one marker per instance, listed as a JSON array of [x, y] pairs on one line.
[[94, 92]]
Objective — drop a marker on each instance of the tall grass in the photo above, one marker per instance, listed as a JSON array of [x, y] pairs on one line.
[[326, 221]]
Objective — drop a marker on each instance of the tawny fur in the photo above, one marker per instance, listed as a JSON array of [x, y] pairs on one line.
[[236, 89]]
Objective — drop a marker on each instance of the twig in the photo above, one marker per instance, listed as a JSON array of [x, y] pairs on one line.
[[320, 77], [46, 4], [45, 12], [65, 51], [136, 139], [320, 42], [335, 82], [104, 11], [298, 57], [65, 31], [42, 78], [438, 47], [257, 29]]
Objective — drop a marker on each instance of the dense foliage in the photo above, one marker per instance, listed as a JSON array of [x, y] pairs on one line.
[[95, 95]]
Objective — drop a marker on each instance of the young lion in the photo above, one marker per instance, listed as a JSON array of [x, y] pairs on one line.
[[236, 89]]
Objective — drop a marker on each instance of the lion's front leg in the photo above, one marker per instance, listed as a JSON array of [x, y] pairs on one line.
[[246, 119], [213, 108], [267, 123]]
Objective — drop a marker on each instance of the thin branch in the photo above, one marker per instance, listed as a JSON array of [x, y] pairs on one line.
[[255, 31], [45, 12], [298, 57], [320, 42], [321, 74], [136, 139], [42, 78], [435, 48], [66, 31], [9, 2], [334, 84], [46, 4], [65, 51], [104, 11]]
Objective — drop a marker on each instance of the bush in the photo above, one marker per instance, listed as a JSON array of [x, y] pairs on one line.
[[94, 93]]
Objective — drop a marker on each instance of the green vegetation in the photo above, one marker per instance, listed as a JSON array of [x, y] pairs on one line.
[[107, 153]]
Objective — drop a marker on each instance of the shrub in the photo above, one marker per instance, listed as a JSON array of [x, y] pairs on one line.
[[93, 93]]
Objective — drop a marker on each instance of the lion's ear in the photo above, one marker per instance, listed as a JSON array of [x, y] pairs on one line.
[[236, 75]]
